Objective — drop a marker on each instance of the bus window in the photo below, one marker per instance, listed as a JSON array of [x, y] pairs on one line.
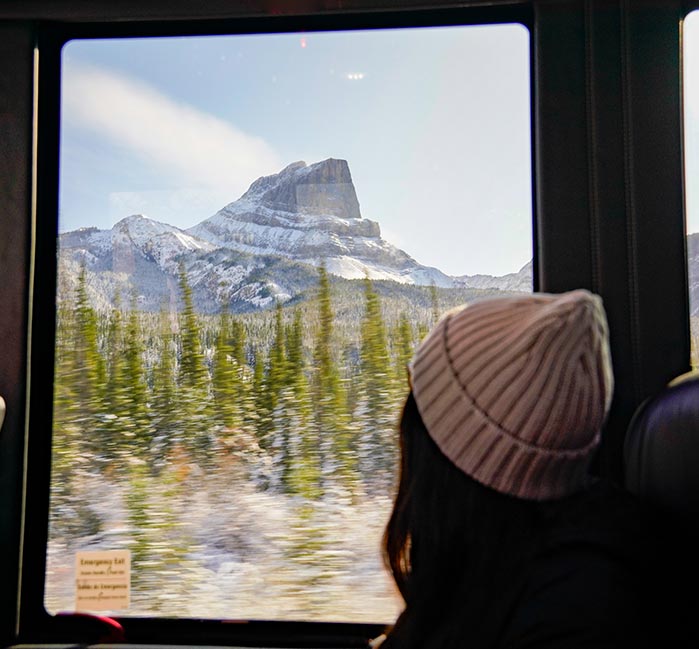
[[254, 233], [691, 135]]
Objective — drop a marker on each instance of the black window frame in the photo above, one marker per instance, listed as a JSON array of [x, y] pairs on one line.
[[35, 624]]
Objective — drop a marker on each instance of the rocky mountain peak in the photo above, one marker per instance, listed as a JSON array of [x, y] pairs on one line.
[[132, 218], [139, 224], [323, 188]]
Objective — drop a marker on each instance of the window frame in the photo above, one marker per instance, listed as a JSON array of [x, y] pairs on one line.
[[35, 623]]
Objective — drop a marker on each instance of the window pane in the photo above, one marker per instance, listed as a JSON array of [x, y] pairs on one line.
[[691, 130], [233, 324]]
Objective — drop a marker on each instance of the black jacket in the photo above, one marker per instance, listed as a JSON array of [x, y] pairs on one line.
[[585, 584], [588, 585]]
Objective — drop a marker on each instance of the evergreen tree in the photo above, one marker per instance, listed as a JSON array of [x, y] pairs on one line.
[[260, 415], [404, 349], [135, 423], [115, 398], [295, 445], [193, 379], [244, 373], [238, 343], [329, 400], [280, 402], [65, 393], [226, 378], [305, 474], [377, 404], [277, 375], [294, 349], [78, 428], [67, 441], [88, 376], [166, 414], [192, 369], [434, 303]]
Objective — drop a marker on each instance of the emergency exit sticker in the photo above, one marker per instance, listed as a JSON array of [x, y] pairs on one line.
[[102, 580]]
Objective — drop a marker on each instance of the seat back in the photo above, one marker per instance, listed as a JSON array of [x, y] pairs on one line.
[[661, 455], [661, 451]]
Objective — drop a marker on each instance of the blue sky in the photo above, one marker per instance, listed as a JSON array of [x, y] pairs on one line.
[[691, 114], [434, 123]]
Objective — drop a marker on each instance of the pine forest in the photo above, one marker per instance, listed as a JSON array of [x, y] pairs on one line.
[[247, 461]]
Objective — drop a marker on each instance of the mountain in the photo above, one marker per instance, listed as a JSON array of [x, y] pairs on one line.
[[135, 234], [263, 247], [310, 213], [138, 256], [520, 281], [127, 261]]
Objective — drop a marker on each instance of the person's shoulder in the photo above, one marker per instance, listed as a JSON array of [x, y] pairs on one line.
[[607, 520], [577, 599], [584, 586]]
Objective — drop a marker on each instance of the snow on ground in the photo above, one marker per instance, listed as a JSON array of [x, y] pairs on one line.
[[223, 549]]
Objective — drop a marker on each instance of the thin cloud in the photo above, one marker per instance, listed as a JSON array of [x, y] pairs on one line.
[[199, 148]]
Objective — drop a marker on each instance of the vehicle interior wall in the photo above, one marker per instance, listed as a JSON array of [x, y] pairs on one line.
[[608, 191], [16, 99], [609, 183]]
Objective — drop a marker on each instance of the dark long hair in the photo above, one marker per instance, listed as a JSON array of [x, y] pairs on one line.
[[457, 549]]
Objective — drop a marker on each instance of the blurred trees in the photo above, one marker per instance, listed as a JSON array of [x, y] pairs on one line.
[[296, 403]]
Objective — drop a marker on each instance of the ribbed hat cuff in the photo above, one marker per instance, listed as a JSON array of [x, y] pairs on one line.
[[481, 448]]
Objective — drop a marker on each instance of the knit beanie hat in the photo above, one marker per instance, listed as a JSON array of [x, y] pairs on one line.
[[515, 390]]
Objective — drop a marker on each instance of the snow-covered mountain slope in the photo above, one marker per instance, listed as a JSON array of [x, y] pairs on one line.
[[310, 213], [164, 243], [139, 259], [521, 281], [151, 238], [262, 248]]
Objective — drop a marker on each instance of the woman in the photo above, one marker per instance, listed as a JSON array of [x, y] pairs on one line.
[[498, 537]]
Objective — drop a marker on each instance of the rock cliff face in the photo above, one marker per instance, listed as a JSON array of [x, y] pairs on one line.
[[324, 188], [306, 212]]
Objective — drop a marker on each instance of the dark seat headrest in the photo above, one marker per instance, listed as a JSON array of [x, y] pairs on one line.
[[661, 450]]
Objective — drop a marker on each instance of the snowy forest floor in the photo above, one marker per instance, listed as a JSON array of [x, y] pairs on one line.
[[213, 546]]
